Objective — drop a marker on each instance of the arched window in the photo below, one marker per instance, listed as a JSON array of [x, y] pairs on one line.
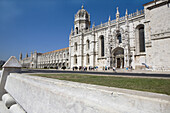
[[75, 46], [88, 59], [88, 44], [141, 39], [119, 37], [77, 31], [75, 59], [101, 45]]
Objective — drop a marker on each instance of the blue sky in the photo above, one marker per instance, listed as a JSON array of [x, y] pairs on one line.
[[45, 25]]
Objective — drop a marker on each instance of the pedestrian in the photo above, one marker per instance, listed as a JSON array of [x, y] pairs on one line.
[[114, 69], [105, 67]]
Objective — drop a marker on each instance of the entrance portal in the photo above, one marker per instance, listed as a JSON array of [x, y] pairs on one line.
[[118, 57]]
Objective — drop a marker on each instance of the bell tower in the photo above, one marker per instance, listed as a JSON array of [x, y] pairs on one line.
[[81, 21]]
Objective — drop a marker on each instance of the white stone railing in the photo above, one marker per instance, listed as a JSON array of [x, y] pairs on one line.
[[45, 95], [122, 19], [11, 66], [137, 13], [31, 94], [113, 22]]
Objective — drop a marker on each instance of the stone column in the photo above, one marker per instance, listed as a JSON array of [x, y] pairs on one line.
[[126, 57], [80, 51], [93, 49], [108, 53], [11, 66]]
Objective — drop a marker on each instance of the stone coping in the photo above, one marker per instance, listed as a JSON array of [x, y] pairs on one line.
[[110, 90], [33, 93], [12, 62]]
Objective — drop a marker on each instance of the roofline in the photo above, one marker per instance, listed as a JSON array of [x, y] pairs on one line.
[[148, 3], [56, 51]]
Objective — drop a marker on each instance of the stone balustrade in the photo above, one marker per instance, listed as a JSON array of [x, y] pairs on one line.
[[31, 94], [45, 95]]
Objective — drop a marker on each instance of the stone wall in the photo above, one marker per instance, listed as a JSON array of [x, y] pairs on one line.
[[157, 20], [44, 95], [161, 54]]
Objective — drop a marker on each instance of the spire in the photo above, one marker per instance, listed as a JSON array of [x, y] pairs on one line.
[[109, 19], [117, 11], [31, 54], [93, 25], [117, 19], [26, 55], [20, 57], [71, 30], [137, 11], [82, 7], [117, 14], [127, 22], [93, 28], [126, 12], [126, 15]]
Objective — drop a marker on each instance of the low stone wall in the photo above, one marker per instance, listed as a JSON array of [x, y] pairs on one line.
[[45, 95]]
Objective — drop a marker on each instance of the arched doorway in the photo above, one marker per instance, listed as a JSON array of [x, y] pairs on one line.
[[118, 57]]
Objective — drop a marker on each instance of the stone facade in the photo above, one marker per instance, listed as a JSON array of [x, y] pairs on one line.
[[130, 41], [137, 40], [53, 59]]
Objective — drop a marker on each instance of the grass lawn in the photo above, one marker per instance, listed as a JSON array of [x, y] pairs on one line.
[[142, 84]]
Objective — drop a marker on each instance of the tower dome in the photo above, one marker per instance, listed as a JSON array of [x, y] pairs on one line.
[[82, 20], [82, 14]]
